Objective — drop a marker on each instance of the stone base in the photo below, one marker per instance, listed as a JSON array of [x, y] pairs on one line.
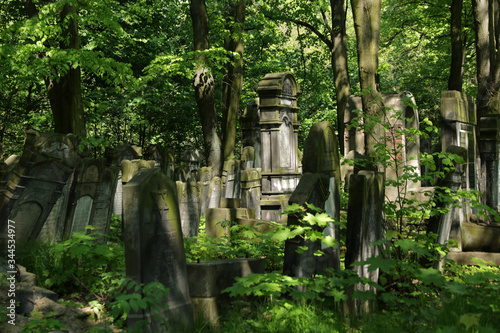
[[206, 309], [482, 238], [465, 258]]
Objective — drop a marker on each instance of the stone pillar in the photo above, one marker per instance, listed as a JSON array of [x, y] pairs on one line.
[[154, 248], [278, 122], [364, 226], [205, 174]]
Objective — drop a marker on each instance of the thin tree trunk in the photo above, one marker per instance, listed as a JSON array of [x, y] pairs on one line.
[[455, 79], [366, 14], [233, 82], [339, 64], [204, 89], [481, 20]]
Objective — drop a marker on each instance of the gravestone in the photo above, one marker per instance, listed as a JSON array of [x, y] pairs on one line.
[[37, 181], [191, 159], [214, 192], [364, 227], [406, 147], [321, 156], [164, 159], [154, 248], [278, 124], [250, 131], [204, 174], [313, 189], [247, 157], [129, 168], [458, 112], [231, 179], [92, 196], [251, 190], [489, 147], [189, 207]]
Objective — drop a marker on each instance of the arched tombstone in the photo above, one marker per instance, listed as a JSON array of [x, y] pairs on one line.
[[154, 248], [278, 124]]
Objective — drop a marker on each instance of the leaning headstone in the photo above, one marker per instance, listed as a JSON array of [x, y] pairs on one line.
[[37, 182], [364, 227], [189, 207], [154, 248]]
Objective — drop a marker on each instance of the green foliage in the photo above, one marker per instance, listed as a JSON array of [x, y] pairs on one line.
[[40, 324], [239, 241], [151, 298]]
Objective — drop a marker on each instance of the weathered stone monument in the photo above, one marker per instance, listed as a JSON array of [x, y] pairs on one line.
[[154, 248], [37, 181], [251, 189], [278, 124], [250, 133], [231, 179], [320, 186], [364, 227], [189, 207]]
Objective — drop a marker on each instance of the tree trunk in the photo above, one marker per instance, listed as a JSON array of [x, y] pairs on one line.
[[481, 20], [233, 81], [455, 79], [366, 14], [204, 89], [339, 65], [65, 91]]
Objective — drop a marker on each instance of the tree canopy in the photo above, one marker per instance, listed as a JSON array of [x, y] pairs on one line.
[[129, 65]]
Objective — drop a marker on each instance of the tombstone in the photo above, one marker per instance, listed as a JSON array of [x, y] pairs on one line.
[[123, 151], [204, 174], [189, 207], [407, 146], [364, 227], [154, 248], [278, 124], [247, 157], [214, 192], [321, 155], [37, 181], [458, 112], [250, 131], [489, 148], [191, 159], [129, 168], [231, 179], [251, 190], [92, 197], [164, 159], [313, 189]]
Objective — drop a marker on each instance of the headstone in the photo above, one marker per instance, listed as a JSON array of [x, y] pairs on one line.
[[214, 192], [164, 159], [121, 152], [278, 124], [92, 196], [154, 248], [191, 159], [231, 179], [251, 190], [364, 227], [458, 112], [321, 155], [489, 147], [313, 189], [189, 207], [36, 182], [204, 174], [247, 157]]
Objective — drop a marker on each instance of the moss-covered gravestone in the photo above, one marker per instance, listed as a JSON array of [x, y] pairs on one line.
[[154, 248]]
